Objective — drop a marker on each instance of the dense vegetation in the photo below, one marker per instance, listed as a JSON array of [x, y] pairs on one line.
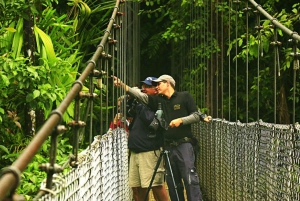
[[43, 47], [177, 29]]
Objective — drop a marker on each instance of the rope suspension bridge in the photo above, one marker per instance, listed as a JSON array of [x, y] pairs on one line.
[[254, 160]]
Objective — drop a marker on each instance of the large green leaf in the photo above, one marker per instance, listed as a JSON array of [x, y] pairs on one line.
[[4, 149], [47, 44], [18, 39]]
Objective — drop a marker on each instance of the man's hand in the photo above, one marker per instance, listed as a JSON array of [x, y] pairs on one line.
[[175, 123], [207, 119], [119, 83]]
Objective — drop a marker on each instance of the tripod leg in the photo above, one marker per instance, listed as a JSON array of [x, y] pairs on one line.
[[167, 159], [154, 173]]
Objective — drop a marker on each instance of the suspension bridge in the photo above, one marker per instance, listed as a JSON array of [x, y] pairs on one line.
[[238, 160]]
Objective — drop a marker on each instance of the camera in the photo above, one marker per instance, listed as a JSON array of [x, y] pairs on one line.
[[159, 120], [130, 107], [154, 125]]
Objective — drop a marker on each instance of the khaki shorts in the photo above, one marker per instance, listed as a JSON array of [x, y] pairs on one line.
[[141, 169]]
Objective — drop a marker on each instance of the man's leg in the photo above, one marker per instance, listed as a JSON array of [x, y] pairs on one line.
[[134, 177], [135, 191], [176, 176], [186, 159], [148, 162], [160, 193]]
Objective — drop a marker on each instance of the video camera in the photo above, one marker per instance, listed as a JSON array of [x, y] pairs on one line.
[[130, 107]]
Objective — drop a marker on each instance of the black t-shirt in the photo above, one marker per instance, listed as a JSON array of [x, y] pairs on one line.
[[181, 104], [139, 139]]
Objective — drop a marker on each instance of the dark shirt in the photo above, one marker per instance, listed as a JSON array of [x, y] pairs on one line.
[[139, 139], [180, 104]]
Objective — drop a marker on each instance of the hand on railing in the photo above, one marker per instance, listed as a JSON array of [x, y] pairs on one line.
[[207, 119], [119, 83]]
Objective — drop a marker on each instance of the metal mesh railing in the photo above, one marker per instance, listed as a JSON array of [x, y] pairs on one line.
[[253, 161], [101, 174]]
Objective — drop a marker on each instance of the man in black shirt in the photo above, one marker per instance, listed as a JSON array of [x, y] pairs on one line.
[[180, 111]]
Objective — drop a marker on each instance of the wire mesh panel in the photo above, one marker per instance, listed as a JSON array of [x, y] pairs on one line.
[[248, 161], [101, 175]]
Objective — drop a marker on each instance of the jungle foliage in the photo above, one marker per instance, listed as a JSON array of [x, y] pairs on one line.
[[43, 47], [176, 26]]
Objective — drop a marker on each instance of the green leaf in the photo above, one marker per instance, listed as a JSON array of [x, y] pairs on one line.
[[11, 29], [295, 10], [36, 93], [29, 98], [18, 39], [3, 148], [5, 80], [47, 44], [33, 71]]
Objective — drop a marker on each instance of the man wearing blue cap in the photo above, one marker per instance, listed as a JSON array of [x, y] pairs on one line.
[[144, 145]]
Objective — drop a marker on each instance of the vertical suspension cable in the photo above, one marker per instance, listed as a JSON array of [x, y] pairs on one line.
[[192, 49], [120, 52], [211, 79], [206, 78], [91, 105], [295, 68], [205, 58], [190, 52], [211, 60], [113, 49], [222, 61], [236, 58], [235, 191], [276, 63], [203, 49], [217, 59], [229, 61], [116, 66], [137, 41], [247, 62], [222, 166], [125, 36], [100, 85], [200, 35], [181, 64], [106, 58], [196, 33], [258, 60]]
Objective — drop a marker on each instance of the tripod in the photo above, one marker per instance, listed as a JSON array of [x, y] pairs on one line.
[[165, 153]]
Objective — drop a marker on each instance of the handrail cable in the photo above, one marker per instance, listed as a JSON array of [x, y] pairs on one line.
[[275, 21]]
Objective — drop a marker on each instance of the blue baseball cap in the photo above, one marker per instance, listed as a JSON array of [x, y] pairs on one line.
[[148, 80]]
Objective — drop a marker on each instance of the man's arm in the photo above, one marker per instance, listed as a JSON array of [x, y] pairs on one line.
[[192, 118], [141, 97]]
